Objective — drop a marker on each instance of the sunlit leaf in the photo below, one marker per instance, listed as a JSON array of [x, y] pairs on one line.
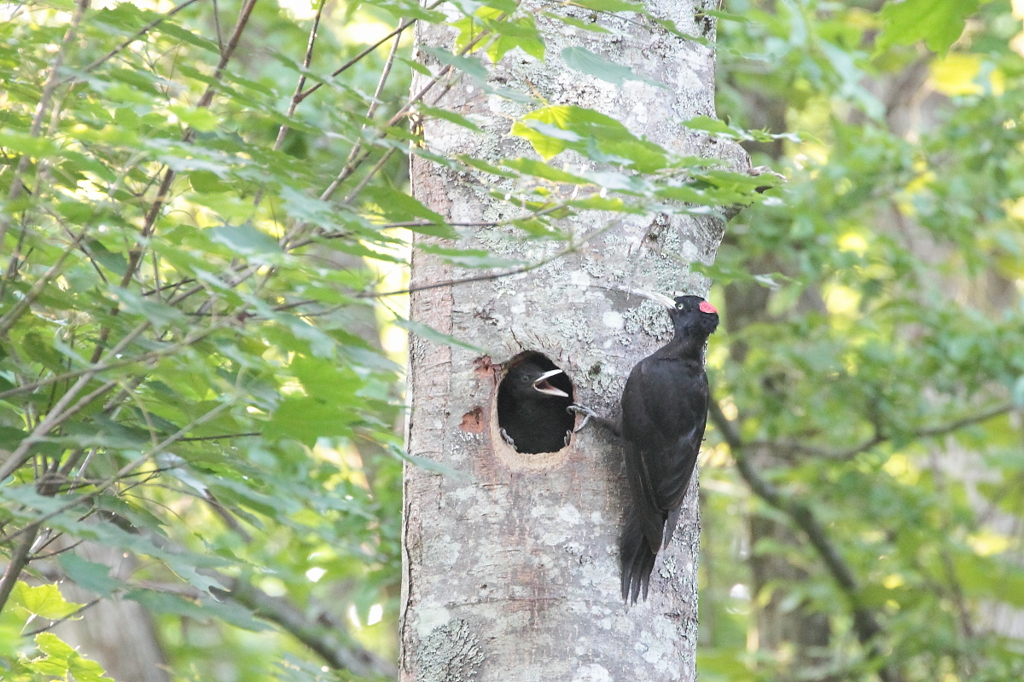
[[584, 60]]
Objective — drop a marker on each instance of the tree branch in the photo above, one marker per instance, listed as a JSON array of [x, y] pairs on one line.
[[140, 33], [19, 559], [864, 622], [17, 185], [350, 63], [121, 473], [878, 438], [572, 248], [324, 639]]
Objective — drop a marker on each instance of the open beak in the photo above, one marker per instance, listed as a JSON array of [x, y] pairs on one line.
[[542, 385]]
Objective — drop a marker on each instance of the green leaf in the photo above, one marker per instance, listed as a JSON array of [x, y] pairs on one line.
[[396, 206], [430, 334], [584, 60], [112, 260], [245, 240], [576, 23], [938, 23], [471, 66], [450, 116], [207, 182], [520, 32], [154, 310], [26, 144], [552, 129], [611, 5], [88, 575], [60, 660], [484, 166], [307, 418], [202, 610], [543, 170], [711, 125], [44, 601], [429, 465], [10, 437], [202, 119]]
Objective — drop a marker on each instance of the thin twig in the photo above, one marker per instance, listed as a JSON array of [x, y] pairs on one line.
[[57, 416], [17, 184], [139, 34], [355, 157], [864, 622], [221, 437], [104, 485], [355, 60], [282, 131], [369, 176], [967, 628], [217, 28], [880, 437], [572, 248], [15, 313], [113, 364], [135, 255]]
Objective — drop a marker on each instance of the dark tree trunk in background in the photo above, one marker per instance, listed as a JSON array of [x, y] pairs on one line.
[[119, 634]]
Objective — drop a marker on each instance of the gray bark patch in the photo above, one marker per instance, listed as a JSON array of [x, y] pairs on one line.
[[450, 653]]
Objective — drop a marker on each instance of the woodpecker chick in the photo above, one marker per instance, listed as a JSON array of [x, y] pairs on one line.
[[532, 411]]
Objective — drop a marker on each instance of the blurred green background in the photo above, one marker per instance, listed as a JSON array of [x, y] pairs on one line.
[[862, 483]]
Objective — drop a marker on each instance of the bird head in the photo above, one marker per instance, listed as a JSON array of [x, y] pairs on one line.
[[693, 315], [690, 314]]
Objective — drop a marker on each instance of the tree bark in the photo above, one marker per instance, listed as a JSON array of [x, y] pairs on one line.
[[118, 634], [511, 567]]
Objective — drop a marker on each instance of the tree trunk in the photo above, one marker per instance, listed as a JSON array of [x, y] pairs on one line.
[[118, 634], [511, 568]]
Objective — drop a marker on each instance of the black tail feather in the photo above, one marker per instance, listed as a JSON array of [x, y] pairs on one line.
[[670, 526], [635, 558]]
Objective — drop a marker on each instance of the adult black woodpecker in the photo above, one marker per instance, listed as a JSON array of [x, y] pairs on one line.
[[532, 411], [664, 412]]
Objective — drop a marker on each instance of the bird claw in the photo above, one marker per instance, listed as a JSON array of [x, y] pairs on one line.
[[507, 438], [587, 413]]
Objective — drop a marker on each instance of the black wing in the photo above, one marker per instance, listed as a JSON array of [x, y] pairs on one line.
[[664, 406]]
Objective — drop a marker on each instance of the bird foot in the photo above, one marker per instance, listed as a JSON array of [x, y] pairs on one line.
[[587, 413], [507, 438]]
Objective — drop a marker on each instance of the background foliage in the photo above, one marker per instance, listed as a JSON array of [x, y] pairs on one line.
[[201, 207], [869, 442]]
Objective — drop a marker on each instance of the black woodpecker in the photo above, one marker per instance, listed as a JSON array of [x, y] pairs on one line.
[[531, 411], [664, 411]]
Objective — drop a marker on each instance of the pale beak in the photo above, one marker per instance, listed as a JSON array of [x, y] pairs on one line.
[[541, 384], [658, 298], [652, 295]]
